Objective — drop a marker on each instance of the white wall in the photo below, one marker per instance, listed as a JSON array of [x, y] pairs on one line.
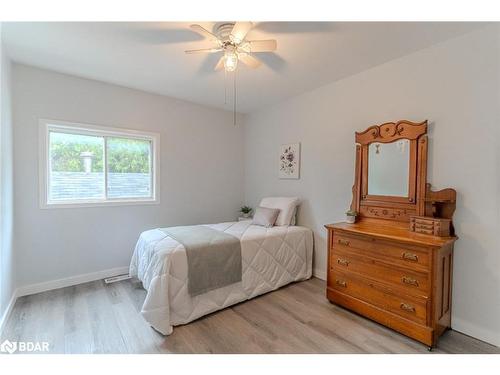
[[6, 201], [201, 173], [456, 86]]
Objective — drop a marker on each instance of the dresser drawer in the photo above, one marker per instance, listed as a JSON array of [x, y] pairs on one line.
[[393, 252], [409, 281], [411, 308]]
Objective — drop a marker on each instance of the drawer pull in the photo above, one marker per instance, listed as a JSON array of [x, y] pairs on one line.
[[343, 262], [407, 307], [424, 225], [424, 231], [342, 283], [423, 222], [409, 280], [410, 256], [343, 242]]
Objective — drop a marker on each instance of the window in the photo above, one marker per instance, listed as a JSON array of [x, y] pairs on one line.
[[90, 165]]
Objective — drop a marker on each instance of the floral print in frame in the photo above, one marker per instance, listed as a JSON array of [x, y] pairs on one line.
[[289, 161]]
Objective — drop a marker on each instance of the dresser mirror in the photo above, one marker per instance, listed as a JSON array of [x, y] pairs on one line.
[[388, 168], [391, 167]]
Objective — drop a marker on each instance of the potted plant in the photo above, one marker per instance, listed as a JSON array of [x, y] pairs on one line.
[[245, 210], [351, 216]]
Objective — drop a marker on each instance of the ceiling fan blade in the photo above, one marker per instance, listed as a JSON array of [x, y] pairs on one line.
[[220, 64], [204, 50], [250, 60], [204, 32], [263, 45], [240, 30]]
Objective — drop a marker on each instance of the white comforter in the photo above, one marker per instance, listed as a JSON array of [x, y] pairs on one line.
[[272, 257]]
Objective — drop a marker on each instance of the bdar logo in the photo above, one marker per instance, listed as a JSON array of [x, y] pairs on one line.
[[8, 347], [24, 346]]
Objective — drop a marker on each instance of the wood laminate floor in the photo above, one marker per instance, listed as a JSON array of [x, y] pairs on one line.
[[99, 318]]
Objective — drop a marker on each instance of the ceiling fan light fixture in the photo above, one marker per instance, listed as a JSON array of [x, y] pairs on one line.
[[230, 61], [230, 38]]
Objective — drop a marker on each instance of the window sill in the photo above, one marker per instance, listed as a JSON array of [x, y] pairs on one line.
[[99, 203]]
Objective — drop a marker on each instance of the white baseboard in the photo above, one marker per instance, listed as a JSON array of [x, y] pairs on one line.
[[56, 284], [70, 281], [472, 330], [319, 273], [7, 312]]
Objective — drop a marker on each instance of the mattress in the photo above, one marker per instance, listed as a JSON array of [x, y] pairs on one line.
[[271, 258]]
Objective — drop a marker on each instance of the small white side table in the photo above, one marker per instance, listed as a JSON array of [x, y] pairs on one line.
[[241, 218]]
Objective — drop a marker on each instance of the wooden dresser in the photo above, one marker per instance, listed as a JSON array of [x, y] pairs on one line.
[[377, 266]]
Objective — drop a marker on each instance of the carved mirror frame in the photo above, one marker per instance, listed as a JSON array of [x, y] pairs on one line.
[[391, 207]]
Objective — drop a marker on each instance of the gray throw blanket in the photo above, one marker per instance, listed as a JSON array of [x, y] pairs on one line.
[[213, 257]]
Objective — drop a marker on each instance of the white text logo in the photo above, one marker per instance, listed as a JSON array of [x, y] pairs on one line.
[[23, 346]]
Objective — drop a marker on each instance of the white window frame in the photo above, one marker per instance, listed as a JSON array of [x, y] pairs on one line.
[[46, 125]]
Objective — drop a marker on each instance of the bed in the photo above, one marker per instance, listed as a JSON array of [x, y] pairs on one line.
[[271, 258]]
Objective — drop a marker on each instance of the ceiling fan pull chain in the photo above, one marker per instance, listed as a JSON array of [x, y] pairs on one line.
[[225, 87], [234, 99]]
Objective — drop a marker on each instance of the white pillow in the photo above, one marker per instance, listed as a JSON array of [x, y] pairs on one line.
[[265, 216], [286, 205]]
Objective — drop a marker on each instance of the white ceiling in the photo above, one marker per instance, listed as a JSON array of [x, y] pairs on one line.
[[150, 56]]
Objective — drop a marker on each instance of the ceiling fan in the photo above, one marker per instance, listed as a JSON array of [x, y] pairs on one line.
[[230, 38]]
